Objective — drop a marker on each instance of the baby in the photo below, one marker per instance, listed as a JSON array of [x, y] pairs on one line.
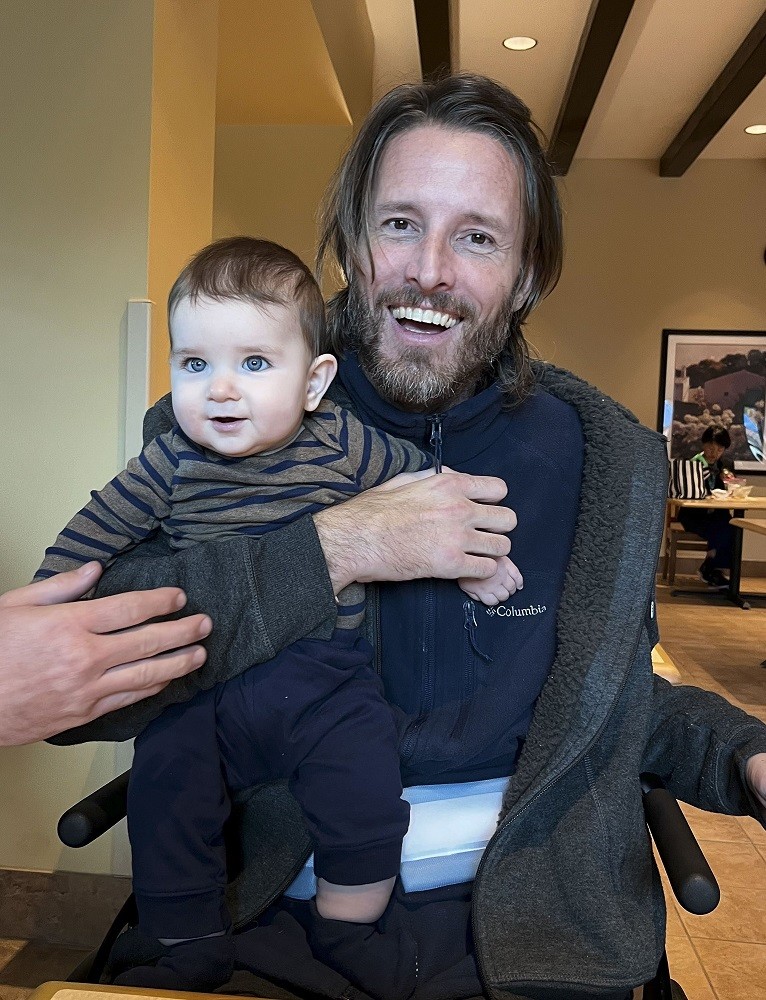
[[256, 446]]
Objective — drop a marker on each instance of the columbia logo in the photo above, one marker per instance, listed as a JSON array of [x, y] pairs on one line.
[[503, 612]]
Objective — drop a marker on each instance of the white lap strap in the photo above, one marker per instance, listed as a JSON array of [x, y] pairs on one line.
[[450, 825]]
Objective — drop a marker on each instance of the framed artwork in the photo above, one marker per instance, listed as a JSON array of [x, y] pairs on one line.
[[714, 377]]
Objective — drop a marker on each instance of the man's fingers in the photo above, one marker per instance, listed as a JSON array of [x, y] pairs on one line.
[[114, 701], [403, 479], [477, 568], [57, 590], [146, 641], [487, 543], [483, 489], [122, 611], [139, 676]]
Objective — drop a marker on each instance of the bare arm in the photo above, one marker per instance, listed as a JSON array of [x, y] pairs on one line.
[[417, 525], [63, 664]]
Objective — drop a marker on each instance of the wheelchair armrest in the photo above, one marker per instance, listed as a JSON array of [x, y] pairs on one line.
[[95, 814], [689, 874]]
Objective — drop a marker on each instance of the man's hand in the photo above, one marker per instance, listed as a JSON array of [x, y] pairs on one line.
[[756, 778], [417, 525], [63, 664]]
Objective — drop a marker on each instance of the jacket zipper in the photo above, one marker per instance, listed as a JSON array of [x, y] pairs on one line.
[[435, 439], [470, 625], [408, 743], [540, 791]]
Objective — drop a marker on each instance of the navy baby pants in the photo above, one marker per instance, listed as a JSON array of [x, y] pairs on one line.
[[714, 527], [316, 715]]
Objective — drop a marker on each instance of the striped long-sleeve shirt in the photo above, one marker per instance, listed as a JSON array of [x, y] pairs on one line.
[[195, 495]]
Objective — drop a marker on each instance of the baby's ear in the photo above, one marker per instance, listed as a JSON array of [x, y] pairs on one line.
[[321, 373]]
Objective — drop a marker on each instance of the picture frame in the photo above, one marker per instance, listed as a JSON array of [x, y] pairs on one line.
[[714, 377]]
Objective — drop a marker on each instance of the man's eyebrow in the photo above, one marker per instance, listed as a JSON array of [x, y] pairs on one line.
[[489, 221], [396, 208]]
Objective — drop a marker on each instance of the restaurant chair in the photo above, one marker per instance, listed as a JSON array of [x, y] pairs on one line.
[[689, 875], [677, 538]]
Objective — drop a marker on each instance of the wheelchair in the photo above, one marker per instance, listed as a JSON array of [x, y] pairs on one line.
[[689, 874]]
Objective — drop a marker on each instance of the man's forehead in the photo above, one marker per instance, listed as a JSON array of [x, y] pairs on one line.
[[427, 164]]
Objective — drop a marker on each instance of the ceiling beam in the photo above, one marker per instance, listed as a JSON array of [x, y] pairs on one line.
[[598, 43], [743, 72], [432, 17]]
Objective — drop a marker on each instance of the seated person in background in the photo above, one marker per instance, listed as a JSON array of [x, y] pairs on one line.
[[713, 525], [254, 447]]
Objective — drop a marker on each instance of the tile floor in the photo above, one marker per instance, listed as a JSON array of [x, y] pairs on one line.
[[721, 956], [718, 957]]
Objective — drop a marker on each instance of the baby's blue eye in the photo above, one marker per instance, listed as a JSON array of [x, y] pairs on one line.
[[255, 363], [195, 365]]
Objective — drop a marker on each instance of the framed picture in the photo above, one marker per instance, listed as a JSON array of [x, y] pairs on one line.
[[714, 377]]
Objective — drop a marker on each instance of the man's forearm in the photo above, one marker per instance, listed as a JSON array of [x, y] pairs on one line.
[[261, 593], [700, 745]]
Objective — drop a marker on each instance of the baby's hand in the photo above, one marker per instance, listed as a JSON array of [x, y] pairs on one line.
[[506, 580]]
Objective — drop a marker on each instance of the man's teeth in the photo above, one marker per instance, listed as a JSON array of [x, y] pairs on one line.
[[424, 316]]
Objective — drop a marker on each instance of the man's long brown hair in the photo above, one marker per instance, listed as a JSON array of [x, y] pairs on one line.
[[461, 103]]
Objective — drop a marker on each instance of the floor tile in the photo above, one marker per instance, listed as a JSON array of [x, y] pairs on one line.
[[686, 969], [26, 964], [753, 830], [713, 826], [736, 971], [736, 864]]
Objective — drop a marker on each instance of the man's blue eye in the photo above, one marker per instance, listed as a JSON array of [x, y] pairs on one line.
[[255, 364], [195, 365]]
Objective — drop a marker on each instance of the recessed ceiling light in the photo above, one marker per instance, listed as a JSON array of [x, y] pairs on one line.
[[519, 43], [756, 129]]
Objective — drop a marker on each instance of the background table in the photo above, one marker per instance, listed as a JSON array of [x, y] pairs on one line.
[[732, 593]]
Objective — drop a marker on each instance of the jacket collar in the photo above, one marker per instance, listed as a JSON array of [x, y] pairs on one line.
[[466, 424]]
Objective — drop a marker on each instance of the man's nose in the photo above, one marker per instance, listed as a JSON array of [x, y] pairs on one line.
[[431, 265]]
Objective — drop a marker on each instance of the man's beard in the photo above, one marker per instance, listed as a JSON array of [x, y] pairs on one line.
[[415, 379]]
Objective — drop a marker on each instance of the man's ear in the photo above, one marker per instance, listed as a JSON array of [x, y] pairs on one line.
[[520, 298], [321, 373]]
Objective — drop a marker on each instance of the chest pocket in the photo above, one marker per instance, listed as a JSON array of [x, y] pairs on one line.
[[520, 630]]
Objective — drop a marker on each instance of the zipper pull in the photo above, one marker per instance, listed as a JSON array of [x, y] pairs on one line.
[[470, 625], [435, 440]]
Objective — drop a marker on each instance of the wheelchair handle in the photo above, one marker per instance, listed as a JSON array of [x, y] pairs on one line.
[[95, 814], [689, 874]]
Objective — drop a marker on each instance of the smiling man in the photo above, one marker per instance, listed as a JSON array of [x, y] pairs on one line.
[[445, 222]]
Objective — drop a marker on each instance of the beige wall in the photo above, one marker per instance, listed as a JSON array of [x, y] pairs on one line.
[[74, 162], [182, 155], [645, 253], [269, 180]]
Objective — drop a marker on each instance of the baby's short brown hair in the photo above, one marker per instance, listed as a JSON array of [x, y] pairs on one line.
[[242, 268]]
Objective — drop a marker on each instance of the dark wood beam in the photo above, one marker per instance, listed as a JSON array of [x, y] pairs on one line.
[[743, 72], [598, 43], [432, 18]]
